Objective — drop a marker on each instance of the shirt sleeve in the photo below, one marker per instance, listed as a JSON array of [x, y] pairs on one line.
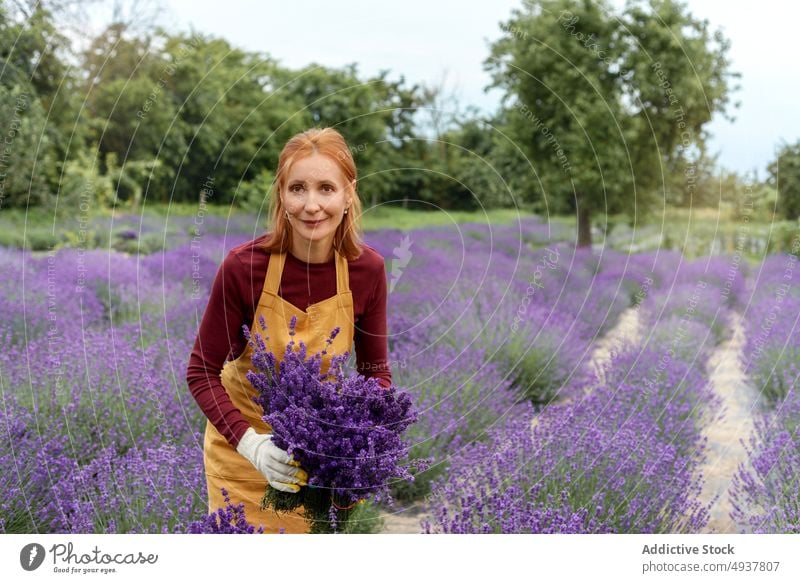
[[371, 339], [220, 333]]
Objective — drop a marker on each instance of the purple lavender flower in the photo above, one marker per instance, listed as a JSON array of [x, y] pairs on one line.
[[346, 431], [228, 520]]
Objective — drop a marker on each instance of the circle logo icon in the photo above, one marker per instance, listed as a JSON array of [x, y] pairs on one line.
[[31, 556]]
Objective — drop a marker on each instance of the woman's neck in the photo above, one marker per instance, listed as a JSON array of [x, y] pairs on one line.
[[314, 253]]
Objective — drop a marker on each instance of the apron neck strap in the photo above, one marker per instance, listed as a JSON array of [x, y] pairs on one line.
[[342, 274], [274, 272]]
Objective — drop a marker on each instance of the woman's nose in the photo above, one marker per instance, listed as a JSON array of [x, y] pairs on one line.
[[312, 201]]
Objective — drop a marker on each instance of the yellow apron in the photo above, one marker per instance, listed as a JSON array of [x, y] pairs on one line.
[[224, 467]]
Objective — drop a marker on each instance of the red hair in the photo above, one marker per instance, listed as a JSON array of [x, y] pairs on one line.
[[348, 238]]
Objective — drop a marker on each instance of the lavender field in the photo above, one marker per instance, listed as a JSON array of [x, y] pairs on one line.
[[560, 390]]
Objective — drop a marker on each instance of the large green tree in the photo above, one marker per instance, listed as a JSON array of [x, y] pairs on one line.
[[127, 107], [37, 103], [233, 120], [784, 176], [603, 105]]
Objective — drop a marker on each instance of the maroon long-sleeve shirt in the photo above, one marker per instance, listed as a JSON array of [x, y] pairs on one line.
[[234, 297]]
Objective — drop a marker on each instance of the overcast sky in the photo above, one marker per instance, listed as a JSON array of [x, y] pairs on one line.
[[430, 40]]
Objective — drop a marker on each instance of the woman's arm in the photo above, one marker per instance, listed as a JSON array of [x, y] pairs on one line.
[[220, 334], [371, 338]]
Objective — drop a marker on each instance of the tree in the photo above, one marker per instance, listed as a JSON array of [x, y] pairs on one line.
[[464, 172], [234, 114], [126, 109], [442, 151], [36, 103], [24, 151], [601, 106], [784, 176]]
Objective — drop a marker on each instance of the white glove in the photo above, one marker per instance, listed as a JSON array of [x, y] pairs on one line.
[[281, 471]]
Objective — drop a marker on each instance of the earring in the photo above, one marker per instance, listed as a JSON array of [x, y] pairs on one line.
[[345, 211]]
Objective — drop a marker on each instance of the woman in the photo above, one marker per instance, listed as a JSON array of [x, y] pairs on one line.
[[313, 265]]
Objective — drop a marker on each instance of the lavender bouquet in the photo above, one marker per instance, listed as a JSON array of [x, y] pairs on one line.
[[346, 432]]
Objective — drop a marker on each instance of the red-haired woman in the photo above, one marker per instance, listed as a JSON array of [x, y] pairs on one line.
[[313, 264]]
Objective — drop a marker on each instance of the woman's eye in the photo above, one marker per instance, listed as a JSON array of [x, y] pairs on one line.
[[296, 187], [328, 188]]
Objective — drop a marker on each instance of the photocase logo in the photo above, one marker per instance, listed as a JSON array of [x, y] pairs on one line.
[[402, 255], [31, 556]]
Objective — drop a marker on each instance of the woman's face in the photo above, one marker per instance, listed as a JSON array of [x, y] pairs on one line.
[[316, 197]]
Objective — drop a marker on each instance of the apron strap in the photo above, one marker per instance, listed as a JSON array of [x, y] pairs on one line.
[[274, 271], [342, 274]]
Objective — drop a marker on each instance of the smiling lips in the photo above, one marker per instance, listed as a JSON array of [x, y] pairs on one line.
[[313, 223]]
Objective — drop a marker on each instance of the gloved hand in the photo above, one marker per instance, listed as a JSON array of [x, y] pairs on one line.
[[277, 466]]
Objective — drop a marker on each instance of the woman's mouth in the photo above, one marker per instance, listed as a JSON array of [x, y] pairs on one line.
[[313, 223]]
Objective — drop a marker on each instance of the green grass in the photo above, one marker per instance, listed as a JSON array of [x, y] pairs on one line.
[[695, 232], [385, 217], [41, 229], [702, 231]]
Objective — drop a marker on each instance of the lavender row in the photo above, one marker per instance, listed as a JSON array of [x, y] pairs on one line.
[[771, 356], [765, 495], [481, 331], [534, 313], [624, 457]]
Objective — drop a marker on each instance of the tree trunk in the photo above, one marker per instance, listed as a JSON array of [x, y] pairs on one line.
[[136, 202], [584, 226]]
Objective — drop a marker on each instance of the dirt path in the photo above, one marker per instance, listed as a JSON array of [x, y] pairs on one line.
[[625, 331], [404, 520], [725, 452]]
